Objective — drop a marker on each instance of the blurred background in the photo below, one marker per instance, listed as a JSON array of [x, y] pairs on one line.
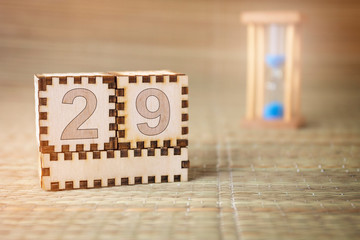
[[261, 184], [201, 38]]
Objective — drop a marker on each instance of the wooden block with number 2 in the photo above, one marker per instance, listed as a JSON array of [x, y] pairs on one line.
[[76, 112]]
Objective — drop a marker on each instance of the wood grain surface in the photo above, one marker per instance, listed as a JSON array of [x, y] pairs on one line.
[[244, 184]]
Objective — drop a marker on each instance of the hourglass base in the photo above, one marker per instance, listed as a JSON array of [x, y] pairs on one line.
[[261, 123]]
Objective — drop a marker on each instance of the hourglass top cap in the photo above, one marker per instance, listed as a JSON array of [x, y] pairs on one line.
[[266, 17]]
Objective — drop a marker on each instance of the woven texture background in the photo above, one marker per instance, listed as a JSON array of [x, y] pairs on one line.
[[244, 184]]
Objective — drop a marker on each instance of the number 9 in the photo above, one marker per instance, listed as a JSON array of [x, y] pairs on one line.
[[163, 111]]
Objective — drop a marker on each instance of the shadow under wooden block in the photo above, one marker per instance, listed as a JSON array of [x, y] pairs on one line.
[[113, 168]]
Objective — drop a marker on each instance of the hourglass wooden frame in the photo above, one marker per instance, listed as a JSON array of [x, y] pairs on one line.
[[256, 23]]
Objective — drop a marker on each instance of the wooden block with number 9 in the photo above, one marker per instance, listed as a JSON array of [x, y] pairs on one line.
[[75, 112], [152, 109]]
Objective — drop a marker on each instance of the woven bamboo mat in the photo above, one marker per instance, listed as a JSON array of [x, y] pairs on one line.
[[244, 184]]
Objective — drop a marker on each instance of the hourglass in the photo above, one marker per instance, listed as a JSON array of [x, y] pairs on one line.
[[273, 69]]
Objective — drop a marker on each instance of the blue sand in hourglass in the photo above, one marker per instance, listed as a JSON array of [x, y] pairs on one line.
[[275, 60], [273, 110]]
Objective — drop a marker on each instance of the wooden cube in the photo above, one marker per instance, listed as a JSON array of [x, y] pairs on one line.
[[152, 109], [109, 129], [113, 168], [75, 112]]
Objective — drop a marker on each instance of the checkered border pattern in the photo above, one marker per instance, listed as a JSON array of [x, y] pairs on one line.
[[117, 155], [42, 83], [147, 78]]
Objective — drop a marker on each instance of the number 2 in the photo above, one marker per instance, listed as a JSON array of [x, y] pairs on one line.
[[163, 111], [72, 131]]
